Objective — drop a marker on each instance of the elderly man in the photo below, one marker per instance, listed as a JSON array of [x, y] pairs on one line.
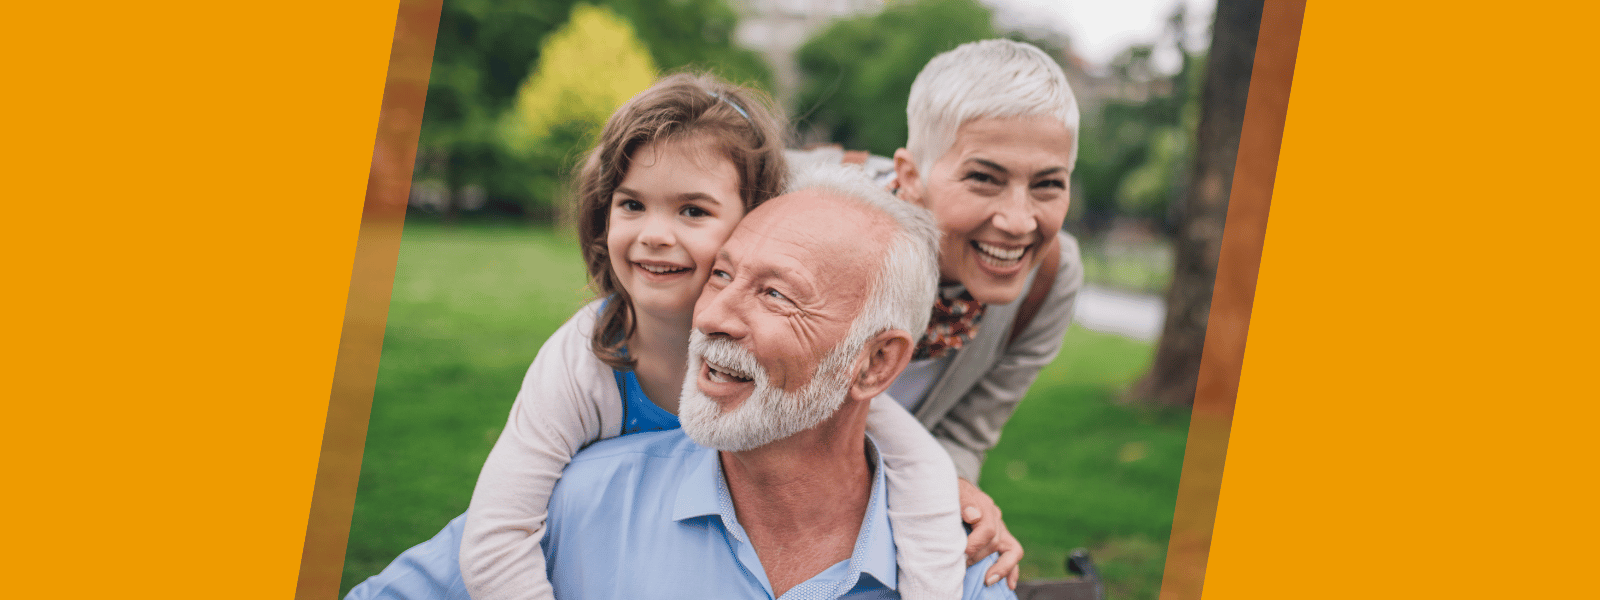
[[771, 488]]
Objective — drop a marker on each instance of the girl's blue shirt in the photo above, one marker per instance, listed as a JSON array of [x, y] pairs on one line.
[[638, 412]]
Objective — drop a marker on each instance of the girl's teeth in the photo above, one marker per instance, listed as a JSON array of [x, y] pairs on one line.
[[660, 269]]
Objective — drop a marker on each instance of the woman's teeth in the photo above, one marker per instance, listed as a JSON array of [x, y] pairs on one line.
[[999, 254]]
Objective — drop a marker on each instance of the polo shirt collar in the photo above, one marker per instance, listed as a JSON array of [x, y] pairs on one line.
[[703, 491], [699, 489], [875, 548]]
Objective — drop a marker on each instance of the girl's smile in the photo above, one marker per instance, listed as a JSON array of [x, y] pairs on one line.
[[662, 271]]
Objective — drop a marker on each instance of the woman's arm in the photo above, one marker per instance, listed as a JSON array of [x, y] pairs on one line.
[[568, 400]]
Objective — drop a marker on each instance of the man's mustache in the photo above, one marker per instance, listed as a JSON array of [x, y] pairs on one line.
[[726, 355]]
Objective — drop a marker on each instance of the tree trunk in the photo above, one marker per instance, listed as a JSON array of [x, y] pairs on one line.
[[1172, 377]]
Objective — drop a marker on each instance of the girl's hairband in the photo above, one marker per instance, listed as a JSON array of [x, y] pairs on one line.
[[736, 107]]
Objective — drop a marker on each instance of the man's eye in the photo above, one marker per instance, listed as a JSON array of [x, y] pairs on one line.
[[721, 274], [1052, 183], [772, 293]]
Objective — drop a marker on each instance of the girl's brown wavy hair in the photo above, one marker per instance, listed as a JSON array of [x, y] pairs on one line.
[[741, 123]]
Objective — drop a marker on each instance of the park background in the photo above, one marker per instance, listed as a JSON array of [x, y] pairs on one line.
[[488, 266], [193, 241]]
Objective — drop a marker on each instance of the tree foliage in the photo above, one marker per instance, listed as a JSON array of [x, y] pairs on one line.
[[565, 89], [858, 72], [1149, 188], [487, 49], [1136, 150], [695, 34], [562, 105]]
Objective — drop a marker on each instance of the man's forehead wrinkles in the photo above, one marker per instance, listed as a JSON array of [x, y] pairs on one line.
[[787, 269], [762, 239], [759, 258], [778, 230], [819, 243]]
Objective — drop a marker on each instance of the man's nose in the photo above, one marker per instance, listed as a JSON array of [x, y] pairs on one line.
[[720, 313], [1014, 216]]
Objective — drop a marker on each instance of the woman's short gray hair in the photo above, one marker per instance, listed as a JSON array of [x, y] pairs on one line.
[[986, 79], [908, 279]]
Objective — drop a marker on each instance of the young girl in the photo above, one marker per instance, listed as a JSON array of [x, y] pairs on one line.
[[675, 170]]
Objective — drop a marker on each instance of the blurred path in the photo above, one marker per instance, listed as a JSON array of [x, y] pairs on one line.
[[1137, 316]]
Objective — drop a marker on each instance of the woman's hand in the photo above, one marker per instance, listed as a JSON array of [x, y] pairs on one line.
[[989, 535]]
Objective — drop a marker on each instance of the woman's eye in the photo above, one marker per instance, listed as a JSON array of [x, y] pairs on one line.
[[980, 177], [694, 212]]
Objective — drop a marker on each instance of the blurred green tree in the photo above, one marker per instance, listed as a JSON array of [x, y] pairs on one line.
[[1150, 188], [562, 105], [857, 73], [1174, 375], [486, 49], [695, 34], [1138, 144]]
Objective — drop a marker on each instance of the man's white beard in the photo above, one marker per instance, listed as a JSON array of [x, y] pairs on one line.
[[770, 413]]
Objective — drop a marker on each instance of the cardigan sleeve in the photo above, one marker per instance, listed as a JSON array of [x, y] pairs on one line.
[[973, 425], [924, 504], [568, 400]]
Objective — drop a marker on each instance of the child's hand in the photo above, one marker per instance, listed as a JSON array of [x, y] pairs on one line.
[[989, 535]]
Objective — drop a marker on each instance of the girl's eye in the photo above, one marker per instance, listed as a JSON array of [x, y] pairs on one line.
[[630, 205], [694, 212]]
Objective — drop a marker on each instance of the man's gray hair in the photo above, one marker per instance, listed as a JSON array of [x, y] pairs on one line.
[[903, 291], [986, 79]]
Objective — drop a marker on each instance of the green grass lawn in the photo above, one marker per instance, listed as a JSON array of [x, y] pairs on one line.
[[472, 305], [1076, 469]]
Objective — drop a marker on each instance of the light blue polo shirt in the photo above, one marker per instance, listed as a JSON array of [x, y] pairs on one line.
[[649, 516]]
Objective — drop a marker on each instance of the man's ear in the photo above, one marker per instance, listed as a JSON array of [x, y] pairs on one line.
[[907, 178], [884, 357]]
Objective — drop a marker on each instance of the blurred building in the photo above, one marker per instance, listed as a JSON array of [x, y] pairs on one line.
[[777, 29]]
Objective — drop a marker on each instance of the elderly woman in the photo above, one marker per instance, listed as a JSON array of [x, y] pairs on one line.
[[993, 136]]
